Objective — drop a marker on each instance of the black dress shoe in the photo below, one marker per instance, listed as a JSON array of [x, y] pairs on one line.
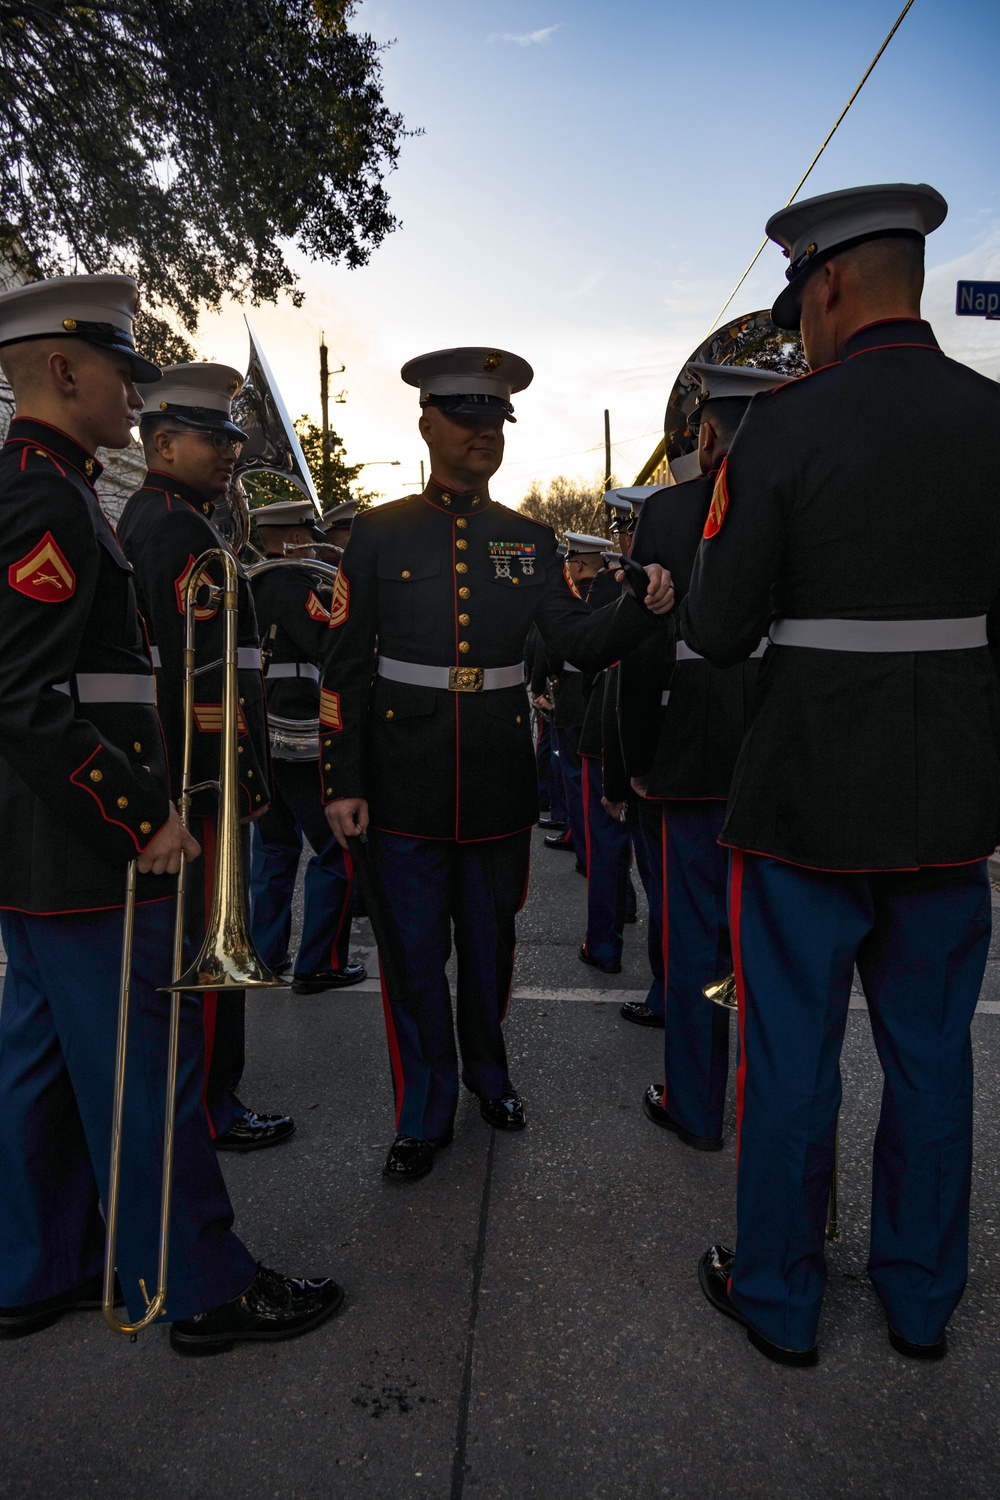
[[917, 1351], [252, 1132], [505, 1113], [595, 963], [714, 1271], [272, 1307], [558, 841], [409, 1159], [284, 970], [328, 979], [32, 1317], [639, 1013], [552, 823], [652, 1108]]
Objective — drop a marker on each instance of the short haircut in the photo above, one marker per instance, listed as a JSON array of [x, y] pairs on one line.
[[23, 364], [725, 414], [891, 264]]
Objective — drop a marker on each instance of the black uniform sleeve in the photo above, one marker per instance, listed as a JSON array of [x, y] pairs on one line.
[[46, 737], [728, 606], [590, 638], [539, 668], [304, 616], [616, 782], [348, 668]]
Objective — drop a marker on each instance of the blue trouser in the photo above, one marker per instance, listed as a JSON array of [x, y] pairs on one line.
[[296, 809], [571, 766], [424, 888], [58, 1025], [645, 825], [609, 862], [550, 789], [919, 940]]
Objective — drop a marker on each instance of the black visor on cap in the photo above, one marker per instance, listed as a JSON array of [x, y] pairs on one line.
[[787, 310], [205, 417], [473, 408]]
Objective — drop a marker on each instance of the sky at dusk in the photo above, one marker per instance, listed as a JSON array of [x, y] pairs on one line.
[[591, 181]]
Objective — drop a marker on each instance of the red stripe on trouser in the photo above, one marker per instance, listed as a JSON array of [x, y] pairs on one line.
[[348, 894], [586, 831], [735, 914], [396, 1062], [664, 928], [210, 998]]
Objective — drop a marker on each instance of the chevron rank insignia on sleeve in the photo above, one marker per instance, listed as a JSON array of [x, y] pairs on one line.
[[44, 574], [315, 610], [341, 602]]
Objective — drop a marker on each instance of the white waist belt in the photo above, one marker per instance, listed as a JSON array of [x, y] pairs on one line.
[[293, 669], [247, 658], [684, 652], [664, 697], [881, 635], [110, 687], [455, 679], [568, 667]]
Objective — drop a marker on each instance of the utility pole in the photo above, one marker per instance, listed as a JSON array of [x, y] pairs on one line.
[[607, 450], [324, 402]]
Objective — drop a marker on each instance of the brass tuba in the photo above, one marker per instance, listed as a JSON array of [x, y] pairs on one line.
[[272, 447], [296, 739]]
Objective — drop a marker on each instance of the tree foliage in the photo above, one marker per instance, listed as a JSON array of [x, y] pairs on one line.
[[333, 482], [189, 143], [566, 505]]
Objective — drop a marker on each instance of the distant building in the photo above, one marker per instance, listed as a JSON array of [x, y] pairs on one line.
[[123, 468]]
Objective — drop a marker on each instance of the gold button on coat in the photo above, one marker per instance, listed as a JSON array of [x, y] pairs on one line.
[[461, 567], [464, 646], [461, 544], [389, 713], [137, 748], [464, 619], [123, 802], [515, 581], [405, 573], [97, 775], [145, 827], [461, 523], [465, 593]]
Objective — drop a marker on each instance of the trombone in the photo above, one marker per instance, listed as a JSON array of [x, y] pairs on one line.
[[227, 959], [722, 992]]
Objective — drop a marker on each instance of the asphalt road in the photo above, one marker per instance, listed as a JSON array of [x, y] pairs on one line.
[[527, 1320]]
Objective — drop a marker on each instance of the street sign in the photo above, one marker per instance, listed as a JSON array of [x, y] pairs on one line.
[[977, 299]]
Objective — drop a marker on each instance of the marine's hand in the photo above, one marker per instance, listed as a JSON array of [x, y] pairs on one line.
[[613, 809], [163, 855], [640, 784], [660, 594], [348, 817], [542, 702]]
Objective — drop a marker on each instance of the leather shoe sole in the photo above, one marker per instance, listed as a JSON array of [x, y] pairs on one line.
[[187, 1338], [714, 1270], [330, 979], [557, 824], [653, 1109], [639, 1013], [32, 1317], [256, 1132], [917, 1351], [559, 844], [409, 1159], [595, 963], [505, 1113]]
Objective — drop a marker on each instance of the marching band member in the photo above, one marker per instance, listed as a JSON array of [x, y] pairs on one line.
[[191, 446], [83, 792], [295, 622], [866, 796], [432, 734], [682, 723]]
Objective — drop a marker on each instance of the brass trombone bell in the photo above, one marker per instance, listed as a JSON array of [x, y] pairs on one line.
[[722, 992]]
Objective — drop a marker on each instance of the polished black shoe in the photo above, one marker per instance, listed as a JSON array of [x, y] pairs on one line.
[[505, 1113], [639, 1013], [559, 842], [272, 1307], [714, 1270], [32, 1317], [284, 970], [553, 823], [409, 1159], [917, 1351], [328, 979], [652, 1108], [595, 963], [252, 1132]]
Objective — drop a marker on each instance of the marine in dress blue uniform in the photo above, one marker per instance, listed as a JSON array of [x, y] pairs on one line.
[[293, 618], [682, 724], [191, 446], [429, 745], [83, 792], [866, 795]]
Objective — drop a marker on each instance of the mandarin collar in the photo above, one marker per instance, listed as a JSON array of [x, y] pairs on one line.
[[454, 504], [53, 440], [890, 333], [157, 480]]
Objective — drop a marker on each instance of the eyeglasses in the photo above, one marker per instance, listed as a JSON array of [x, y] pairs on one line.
[[220, 441]]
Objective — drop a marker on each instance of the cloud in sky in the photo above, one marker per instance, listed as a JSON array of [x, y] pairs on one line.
[[525, 38]]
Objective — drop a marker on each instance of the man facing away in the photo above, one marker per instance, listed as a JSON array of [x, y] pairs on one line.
[[866, 796], [426, 745]]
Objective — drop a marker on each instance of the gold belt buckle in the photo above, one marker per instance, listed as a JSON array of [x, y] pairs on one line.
[[466, 679]]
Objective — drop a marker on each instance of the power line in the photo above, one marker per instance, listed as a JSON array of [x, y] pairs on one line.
[[801, 182]]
